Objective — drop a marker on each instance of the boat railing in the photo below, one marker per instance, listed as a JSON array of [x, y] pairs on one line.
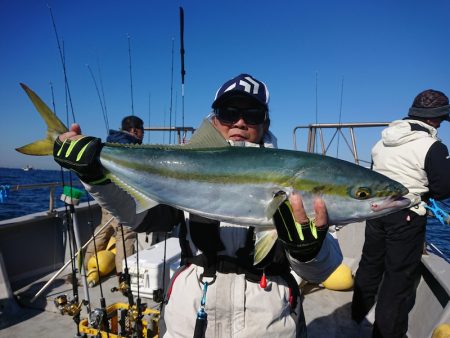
[[316, 130], [181, 132], [50, 185]]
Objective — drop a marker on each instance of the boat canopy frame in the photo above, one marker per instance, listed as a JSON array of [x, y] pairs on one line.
[[316, 130]]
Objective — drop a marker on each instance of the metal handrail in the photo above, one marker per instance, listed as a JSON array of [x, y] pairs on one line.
[[312, 135], [51, 185], [179, 130]]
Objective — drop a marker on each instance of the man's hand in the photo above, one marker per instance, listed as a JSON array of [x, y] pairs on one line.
[[301, 236], [73, 133], [80, 154]]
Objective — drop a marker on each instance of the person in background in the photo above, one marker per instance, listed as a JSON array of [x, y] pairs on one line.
[[131, 132], [242, 300], [410, 153]]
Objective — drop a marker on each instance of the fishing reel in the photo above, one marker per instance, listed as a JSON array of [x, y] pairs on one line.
[[67, 307], [124, 285], [98, 318], [135, 311]]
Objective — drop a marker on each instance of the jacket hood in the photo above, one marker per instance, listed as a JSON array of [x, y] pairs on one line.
[[403, 131]]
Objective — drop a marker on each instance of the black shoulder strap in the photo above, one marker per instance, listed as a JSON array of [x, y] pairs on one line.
[[186, 251], [205, 234]]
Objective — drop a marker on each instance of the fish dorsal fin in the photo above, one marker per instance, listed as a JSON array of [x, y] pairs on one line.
[[206, 136], [142, 201]]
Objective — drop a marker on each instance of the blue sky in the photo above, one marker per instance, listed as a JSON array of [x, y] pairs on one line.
[[384, 52]]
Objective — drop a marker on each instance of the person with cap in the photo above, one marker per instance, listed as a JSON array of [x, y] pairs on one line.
[[218, 291], [131, 132], [410, 153]]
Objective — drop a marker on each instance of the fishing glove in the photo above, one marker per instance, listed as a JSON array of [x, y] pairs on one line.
[[82, 157], [303, 241]]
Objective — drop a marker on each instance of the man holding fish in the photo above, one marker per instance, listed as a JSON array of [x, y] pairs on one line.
[[223, 198]]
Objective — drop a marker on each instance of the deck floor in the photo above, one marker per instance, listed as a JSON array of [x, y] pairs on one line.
[[42, 319], [327, 312]]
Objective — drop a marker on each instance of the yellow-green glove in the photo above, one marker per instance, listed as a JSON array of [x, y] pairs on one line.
[[303, 241], [82, 157]]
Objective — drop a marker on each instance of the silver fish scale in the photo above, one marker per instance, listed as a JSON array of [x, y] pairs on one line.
[[237, 184]]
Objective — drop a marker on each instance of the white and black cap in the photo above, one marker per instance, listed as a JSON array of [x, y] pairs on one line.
[[243, 85]]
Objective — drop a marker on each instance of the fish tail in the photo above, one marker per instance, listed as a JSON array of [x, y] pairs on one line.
[[263, 244], [54, 127]]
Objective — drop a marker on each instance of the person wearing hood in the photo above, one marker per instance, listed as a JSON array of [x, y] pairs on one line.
[[218, 291], [410, 153], [131, 132]]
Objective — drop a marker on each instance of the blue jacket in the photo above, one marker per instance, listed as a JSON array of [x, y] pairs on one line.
[[118, 136]]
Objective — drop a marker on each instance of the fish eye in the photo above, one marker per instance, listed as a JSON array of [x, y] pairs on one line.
[[361, 193]]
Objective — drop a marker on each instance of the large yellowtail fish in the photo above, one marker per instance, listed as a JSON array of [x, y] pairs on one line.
[[239, 185]]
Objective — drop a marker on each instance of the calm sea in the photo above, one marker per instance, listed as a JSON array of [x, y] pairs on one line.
[[26, 201], [15, 203]]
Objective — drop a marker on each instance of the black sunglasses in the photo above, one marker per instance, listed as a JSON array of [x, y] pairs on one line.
[[251, 116]]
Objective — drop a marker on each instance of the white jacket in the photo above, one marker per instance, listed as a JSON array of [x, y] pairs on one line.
[[401, 154]]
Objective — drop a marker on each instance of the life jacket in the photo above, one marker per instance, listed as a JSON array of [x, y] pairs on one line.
[[205, 235]]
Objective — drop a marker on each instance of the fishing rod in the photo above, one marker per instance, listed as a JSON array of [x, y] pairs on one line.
[[98, 317], [183, 71], [149, 114], [105, 118], [63, 61], [71, 197], [125, 278], [171, 96], [103, 93], [317, 101], [69, 261], [53, 97], [340, 116], [131, 75], [138, 310], [72, 308]]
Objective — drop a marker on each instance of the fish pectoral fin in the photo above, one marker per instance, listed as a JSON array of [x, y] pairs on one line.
[[143, 202], [263, 244], [206, 136], [275, 203]]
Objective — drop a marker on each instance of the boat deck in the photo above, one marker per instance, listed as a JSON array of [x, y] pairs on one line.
[[41, 318], [327, 312]]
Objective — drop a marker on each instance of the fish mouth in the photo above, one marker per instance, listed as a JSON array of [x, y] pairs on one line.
[[390, 203]]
